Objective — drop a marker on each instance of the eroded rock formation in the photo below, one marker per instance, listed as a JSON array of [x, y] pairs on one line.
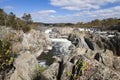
[[27, 47], [92, 57], [96, 41], [83, 64]]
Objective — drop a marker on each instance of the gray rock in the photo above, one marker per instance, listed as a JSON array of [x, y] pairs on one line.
[[95, 41], [78, 66], [67, 71], [116, 63], [25, 65], [52, 72]]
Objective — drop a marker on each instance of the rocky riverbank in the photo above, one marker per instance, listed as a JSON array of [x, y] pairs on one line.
[[93, 57], [83, 55]]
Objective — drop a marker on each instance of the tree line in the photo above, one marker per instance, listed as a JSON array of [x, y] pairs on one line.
[[105, 23], [25, 22]]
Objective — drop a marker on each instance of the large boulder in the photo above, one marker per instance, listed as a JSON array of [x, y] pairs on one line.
[[52, 72], [25, 66]]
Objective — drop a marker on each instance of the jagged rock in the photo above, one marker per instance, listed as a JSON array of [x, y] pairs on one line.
[[79, 66], [67, 71], [35, 42], [95, 41], [97, 71], [116, 63], [94, 57], [79, 51], [90, 54], [78, 40], [56, 59], [65, 59], [25, 65], [61, 32], [52, 72], [27, 47], [107, 58]]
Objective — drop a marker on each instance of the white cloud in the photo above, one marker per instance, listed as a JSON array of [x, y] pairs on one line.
[[43, 15], [49, 17], [81, 4], [8, 7], [111, 12], [46, 12]]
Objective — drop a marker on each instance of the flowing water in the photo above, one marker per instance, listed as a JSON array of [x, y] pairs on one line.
[[60, 47]]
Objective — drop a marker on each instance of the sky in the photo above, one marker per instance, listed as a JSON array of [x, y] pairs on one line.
[[63, 11]]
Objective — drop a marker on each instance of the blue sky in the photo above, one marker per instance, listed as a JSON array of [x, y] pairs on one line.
[[57, 11]]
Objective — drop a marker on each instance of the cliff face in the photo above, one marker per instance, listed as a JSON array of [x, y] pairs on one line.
[[94, 57]]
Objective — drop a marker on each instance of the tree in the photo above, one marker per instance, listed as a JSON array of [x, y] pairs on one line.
[[80, 24], [27, 22], [27, 18], [96, 23], [12, 20], [3, 17]]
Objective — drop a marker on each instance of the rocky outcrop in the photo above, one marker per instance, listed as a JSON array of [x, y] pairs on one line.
[[36, 42], [60, 32], [116, 63], [25, 65], [95, 41], [99, 65], [63, 31], [92, 57], [51, 72], [27, 47], [32, 45]]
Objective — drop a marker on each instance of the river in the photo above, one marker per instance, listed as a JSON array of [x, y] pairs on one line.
[[60, 47]]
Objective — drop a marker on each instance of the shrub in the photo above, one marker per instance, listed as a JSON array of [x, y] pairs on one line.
[[84, 67], [68, 74], [80, 68], [26, 29], [6, 55]]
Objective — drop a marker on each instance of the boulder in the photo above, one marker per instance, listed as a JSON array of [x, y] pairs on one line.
[[52, 72], [25, 65], [116, 63], [35, 41], [67, 72]]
